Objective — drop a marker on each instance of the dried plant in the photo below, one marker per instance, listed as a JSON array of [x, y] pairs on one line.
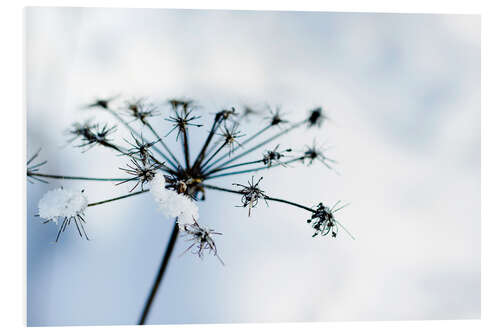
[[178, 186]]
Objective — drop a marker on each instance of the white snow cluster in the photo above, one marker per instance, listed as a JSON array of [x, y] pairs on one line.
[[172, 204], [61, 202]]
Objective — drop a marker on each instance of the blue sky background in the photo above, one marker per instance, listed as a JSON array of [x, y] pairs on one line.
[[402, 93]]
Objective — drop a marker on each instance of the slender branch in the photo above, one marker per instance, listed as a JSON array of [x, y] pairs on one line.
[[131, 129], [214, 154], [186, 147], [76, 177], [289, 203], [242, 144], [215, 126], [117, 198], [148, 125], [161, 272], [274, 137], [217, 188], [250, 170], [236, 165]]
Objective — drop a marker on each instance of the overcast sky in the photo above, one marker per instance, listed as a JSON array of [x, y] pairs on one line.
[[402, 93]]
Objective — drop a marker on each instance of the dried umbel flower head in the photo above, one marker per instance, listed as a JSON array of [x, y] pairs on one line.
[[175, 183], [200, 238], [313, 153], [274, 156], [140, 148], [102, 102], [227, 113], [323, 221], [230, 135], [182, 103], [141, 110], [251, 194], [64, 204], [182, 117], [142, 172], [248, 112], [92, 135], [32, 168], [276, 117], [316, 117]]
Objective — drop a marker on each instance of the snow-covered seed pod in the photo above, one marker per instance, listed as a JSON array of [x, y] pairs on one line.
[[68, 205]]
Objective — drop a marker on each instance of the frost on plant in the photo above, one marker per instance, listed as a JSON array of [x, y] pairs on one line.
[[179, 183]]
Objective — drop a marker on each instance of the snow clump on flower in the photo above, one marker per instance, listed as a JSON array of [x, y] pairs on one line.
[[171, 203], [63, 203]]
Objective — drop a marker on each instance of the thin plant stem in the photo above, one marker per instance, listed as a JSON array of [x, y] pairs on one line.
[[250, 170], [217, 188], [289, 203], [213, 155], [76, 177], [117, 198], [215, 126], [131, 129], [159, 276], [236, 165], [274, 137], [186, 147], [148, 125], [242, 144]]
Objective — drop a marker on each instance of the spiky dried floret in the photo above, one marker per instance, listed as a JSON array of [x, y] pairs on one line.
[[227, 114], [275, 117], [182, 118], [251, 194], [142, 172], [141, 110], [316, 117], [183, 103], [102, 102], [201, 239], [32, 167], [274, 156], [91, 134], [313, 153], [248, 112], [140, 148], [323, 221], [230, 135]]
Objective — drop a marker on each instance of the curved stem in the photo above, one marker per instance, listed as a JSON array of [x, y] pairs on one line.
[[161, 272]]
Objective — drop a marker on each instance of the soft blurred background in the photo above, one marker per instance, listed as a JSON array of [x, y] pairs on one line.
[[402, 93]]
